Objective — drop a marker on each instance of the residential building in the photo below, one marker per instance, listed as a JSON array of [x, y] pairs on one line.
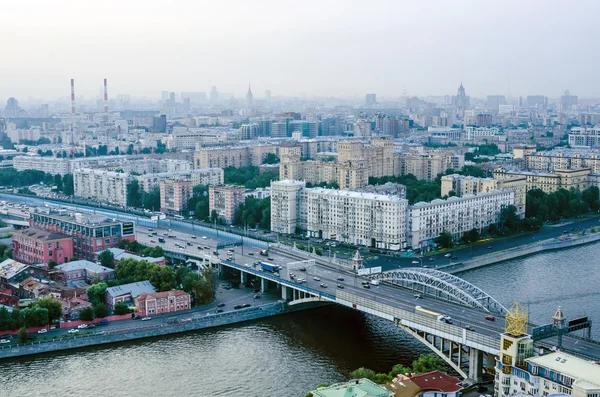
[[354, 388], [84, 270], [371, 99], [225, 199], [218, 157], [52, 165], [35, 245], [249, 131], [567, 101], [259, 193], [426, 166], [149, 304], [456, 215], [174, 195], [378, 155], [202, 176], [549, 182], [563, 160], [584, 137], [520, 151], [32, 288], [101, 185], [90, 233], [348, 175], [369, 219], [127, 292], [473, 133], [29, 134], [461, 185]]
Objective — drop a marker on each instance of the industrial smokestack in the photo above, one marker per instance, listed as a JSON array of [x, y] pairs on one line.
[[73, 96], [105, 97]]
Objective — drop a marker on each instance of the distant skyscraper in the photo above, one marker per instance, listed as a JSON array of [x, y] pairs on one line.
[[461, 100], [371, 99], [494, 101], [12, 108], [268, 95], [214, 94], [568, 100], [249, 97], [159, 123], [535, 101]]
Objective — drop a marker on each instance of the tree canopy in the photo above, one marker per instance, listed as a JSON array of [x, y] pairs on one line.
[[249, 177]]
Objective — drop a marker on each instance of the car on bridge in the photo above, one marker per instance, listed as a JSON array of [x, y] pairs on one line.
[[237, 307], [340, 278], [316, 279], [323, 285], [340, 286], [469, 328], [221, 305], [490, 318]]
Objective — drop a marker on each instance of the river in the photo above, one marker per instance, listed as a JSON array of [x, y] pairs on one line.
[[288, 355]]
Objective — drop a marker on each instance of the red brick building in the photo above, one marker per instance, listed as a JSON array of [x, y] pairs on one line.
[[162, 302], [35, 245]]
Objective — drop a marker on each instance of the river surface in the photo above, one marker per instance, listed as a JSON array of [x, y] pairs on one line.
[[290, 354]]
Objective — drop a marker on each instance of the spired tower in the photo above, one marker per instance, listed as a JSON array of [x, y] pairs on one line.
[[249, 97], [357, 261], [515, 346]]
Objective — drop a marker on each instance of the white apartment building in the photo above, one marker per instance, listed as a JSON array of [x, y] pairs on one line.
[[202, 176], [30, 134], [473, 133], [456, 215], [359, 218], [52, 165], [583, 136], [101, 185]]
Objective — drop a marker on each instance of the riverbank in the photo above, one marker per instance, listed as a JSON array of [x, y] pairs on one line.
[[143, 332], [518, 252]]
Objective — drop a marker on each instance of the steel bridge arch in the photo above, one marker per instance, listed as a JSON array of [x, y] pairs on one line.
[[443, 285]]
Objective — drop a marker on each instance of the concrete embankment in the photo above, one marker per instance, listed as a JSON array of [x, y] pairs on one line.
[[530, 249], [186, 323]]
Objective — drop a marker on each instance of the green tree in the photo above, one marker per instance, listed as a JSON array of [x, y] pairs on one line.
[[68, 186], [444, 240], [86, 313], [96, 293], [58, 182], [23, 334], [363, 372], [107, 259], [52, 264], [151, 199], [399, 369], [35, 316], [214, 216], [271, 158], [134, 195], [470, 237], [53, 307], [121, 308], [427, 363], [100, 310]]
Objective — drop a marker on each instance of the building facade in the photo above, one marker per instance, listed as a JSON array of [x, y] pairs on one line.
[[579, 179], [101, 185], [84, 270], [36, 245], [90, 233], [584, 136], [456, 215], [149, 304], [174, 195], [127, 293], [225, 199], [51, 165]]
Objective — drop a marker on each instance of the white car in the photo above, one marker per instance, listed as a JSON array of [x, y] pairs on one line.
[[42, 331], [316, 279], [146, 318], [4, 341], [82, 326], [73, 331], [204, 237], [447, 255], [415, 262]]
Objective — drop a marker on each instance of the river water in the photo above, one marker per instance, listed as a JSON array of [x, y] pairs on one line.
[[288, 355]]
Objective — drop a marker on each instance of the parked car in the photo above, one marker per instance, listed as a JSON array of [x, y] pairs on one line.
[[42, 331], [103, 322], [4, 340], [73, 331], [146, 318], [221, 305], [82, 326]]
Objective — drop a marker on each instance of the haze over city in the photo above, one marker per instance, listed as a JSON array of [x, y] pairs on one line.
[[321, 48]]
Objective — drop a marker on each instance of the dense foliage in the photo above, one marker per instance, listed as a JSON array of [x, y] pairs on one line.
[[271, 158], [199, 202], [249, 177], [425, 363], [138, 198], [254, 211], [561, 203], [141, 249]]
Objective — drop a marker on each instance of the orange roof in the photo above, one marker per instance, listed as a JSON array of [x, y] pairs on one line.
[[437, 381]]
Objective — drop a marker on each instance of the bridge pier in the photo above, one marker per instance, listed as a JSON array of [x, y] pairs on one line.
[[221, 274], [490, 362], [475, 364], [286, 293], [264, 284], [243, 278]]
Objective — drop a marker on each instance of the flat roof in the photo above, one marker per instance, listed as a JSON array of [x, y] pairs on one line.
[[363, 195], [569, 365], [41, 234], [83, 265]]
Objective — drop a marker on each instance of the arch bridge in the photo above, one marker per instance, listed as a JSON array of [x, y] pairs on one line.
[[443, 286]]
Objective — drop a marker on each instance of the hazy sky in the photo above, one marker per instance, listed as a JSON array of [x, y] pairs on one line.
[[291, 47]]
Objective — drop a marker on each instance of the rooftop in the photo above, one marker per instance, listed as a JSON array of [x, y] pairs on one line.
[[465, 197], [160, 295], [41, 234], [571, 366], [135, 289], [119, 254], [10, 268], [348, 193], [83, 265], [437, 381], [353, 388]]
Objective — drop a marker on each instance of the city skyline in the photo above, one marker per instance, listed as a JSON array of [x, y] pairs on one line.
[[292, 50]]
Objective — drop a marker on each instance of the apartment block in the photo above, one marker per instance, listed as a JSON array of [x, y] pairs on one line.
[[378, 155], [584, 136], [174, 195], [462, 185], [549, 182], [90, 233], [350, 175], [35, 245], [50, 165], [456, 215], [217, 157], [563, 160], [101, 185], [473, 133], [225, 199], [202, 176]]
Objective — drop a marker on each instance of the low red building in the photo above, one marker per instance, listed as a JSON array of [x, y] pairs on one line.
[[162, 302], [35, 245]]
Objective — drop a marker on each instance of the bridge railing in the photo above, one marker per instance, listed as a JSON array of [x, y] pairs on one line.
[[421, 322]]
